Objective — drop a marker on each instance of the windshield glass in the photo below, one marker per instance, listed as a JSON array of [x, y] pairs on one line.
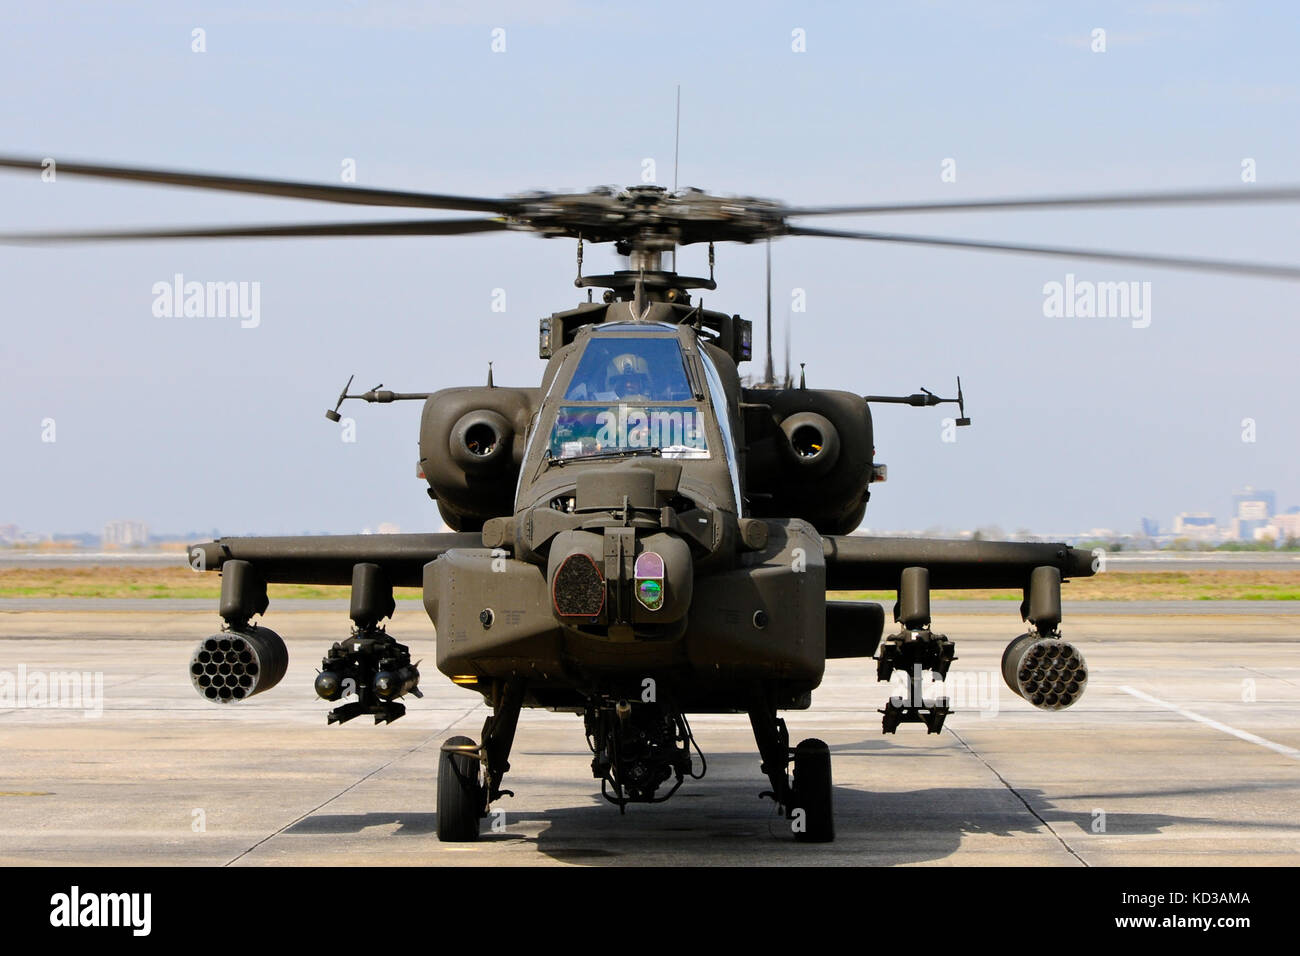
[[582, 430], [719, 395], [628, 368]]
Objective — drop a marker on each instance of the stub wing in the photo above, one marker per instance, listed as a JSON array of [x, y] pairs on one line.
[[857, 562], [330, 559]]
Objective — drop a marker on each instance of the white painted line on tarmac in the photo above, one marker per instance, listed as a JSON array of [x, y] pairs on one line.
[[1283, 749]]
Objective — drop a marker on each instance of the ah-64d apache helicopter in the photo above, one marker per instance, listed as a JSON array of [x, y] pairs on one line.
[[642, 536]]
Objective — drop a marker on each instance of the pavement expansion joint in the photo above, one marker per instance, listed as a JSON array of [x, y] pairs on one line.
[[1018, 795], [353, 785], [1282, 680]]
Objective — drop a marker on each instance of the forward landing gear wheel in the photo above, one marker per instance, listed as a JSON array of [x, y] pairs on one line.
[[460, 794], [812, 792]]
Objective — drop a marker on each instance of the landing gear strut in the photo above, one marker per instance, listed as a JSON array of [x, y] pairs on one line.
[[470, 775], [808, 801]]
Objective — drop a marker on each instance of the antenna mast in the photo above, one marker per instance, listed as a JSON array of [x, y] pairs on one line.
[[677, 140], [788, 380], [768, 373]]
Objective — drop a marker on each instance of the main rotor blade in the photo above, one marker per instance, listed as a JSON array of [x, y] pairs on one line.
[[356, 195], [414, 227], [1247, 194], [1130, 258]]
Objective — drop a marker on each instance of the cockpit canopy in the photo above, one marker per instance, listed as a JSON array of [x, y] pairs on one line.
[[640, 368], [628, 392], [642, 393], [583, 430]]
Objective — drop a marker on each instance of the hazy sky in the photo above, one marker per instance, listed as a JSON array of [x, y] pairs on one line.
[[1078, 422]]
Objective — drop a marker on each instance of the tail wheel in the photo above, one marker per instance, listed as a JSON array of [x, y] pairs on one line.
[[812, 792], [460, 794]]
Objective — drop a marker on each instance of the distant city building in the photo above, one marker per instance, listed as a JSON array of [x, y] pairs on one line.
[[1197, 525], [125, 534], [1247, 529], [1150, 527], [1282, 527], [1250, 503], [1251, 510], [11, 534]]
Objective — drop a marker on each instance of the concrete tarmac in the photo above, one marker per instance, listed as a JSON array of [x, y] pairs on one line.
[[1185, 750]]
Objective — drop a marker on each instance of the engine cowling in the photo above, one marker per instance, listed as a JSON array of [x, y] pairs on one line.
[[810, 457], [812, 442], [481, 442], [471, 446]]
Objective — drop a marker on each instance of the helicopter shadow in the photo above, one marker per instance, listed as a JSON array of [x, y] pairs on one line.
[[876, 828], [728, 824], [408, 823]]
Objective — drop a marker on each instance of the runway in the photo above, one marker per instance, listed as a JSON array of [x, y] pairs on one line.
[[1186, 750]]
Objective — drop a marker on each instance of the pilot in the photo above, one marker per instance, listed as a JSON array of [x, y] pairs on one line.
[[628, 378]]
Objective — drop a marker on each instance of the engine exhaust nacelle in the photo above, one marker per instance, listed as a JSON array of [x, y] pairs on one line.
[[1046, 671], [813, 442], [809, 453], [471, 446], [481, 442], [238, 663]]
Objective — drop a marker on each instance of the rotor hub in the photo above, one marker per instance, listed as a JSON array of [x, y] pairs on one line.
[[648, 218]]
